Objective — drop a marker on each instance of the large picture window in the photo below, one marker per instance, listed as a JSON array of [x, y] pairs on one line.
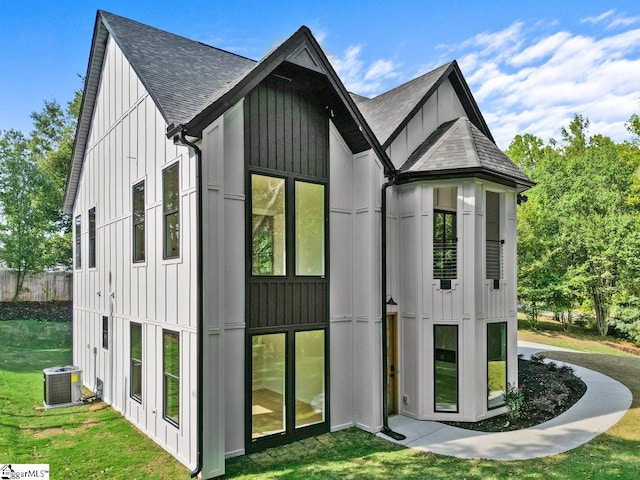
[[78, 241], [309, 377], [135, 353], [309, 228], [138, 216], [171, 376], [92, 238], [445, 347], [496, 364], [268, 229], [171, 210]]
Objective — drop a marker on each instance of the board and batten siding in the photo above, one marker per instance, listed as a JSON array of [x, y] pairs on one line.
[[127, 144]]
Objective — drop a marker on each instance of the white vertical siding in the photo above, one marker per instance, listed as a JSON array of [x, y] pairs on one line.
[[126, 144]]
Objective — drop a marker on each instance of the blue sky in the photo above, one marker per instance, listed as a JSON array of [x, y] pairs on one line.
[[530, 65]]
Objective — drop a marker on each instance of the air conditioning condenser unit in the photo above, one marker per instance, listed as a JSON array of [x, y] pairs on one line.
[[62, 386]]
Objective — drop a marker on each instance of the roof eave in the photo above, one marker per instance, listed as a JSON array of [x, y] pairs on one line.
[[264, 68], [478, 172], [91, 83]]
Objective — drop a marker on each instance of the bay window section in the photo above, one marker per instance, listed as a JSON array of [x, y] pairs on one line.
[[268, 229], [445, 339], [496, 364], [310, 220]]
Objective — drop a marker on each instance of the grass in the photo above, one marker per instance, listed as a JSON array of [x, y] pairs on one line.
[[89, 441], [94, 441]]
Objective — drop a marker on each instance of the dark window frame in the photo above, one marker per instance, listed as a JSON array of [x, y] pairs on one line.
[[138, 219], [493, 243], [91, 263], [447, 242], [457, 361], [135, 363], [105, 332], [168, 376], [506, 360], [78, 242], [166, 214]]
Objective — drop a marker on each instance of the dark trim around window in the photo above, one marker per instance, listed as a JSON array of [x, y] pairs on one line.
[[171, 377], [138, 220], [135, 354], [171, 211], [92, 238], [78, 242]]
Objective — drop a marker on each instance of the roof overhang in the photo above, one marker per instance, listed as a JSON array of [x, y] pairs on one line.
[[475, 172]]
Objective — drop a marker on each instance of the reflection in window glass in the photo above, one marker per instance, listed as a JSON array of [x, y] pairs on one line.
[[138, 222], [171, 210], [446, 368], [268, 404], [268, 225], [496, 364], [309, 377], [135, 334], [171, 368], [92, 238], [309, 229], [78, 240]]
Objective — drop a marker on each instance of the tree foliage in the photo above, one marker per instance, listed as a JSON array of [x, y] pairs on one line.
[[579, 231], [34, 234]]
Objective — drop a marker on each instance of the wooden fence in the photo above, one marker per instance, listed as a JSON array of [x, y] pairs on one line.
[[40, 287]]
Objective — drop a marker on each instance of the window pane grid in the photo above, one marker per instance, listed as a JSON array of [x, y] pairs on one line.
[[445, 246]]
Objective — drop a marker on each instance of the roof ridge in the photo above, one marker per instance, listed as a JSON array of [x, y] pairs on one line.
[[413, 80]]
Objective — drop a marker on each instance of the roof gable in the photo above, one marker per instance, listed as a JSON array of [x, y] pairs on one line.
[[459, 147], [390, 112]]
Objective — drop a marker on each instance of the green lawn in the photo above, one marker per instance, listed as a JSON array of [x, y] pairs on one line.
[[94, 441]]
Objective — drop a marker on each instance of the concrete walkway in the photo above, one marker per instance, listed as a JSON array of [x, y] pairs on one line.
[[602, 406]]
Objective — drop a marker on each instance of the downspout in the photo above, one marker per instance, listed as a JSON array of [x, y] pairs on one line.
[[383, 255], [199, 301]]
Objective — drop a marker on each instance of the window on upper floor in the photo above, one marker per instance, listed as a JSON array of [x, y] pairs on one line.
[[92, 238], [78, 241], [493, 251], [105, 332], [445, 236], [171, 210], [138, 222]]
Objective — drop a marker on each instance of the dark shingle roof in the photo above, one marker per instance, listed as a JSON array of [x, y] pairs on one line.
[[181, 75], [459, 145], [388, 110]]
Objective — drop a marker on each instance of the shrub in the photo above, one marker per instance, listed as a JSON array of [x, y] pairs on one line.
[[514, 401], [537, 359]]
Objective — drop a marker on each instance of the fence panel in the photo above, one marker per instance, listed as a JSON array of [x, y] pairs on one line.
[[39, 287]]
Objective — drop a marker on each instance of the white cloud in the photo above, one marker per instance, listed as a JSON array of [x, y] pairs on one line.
[[599, 18], [367, 80], [612, 20]]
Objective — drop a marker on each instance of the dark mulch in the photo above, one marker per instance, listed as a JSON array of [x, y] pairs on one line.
[[548, 390], [43, 311]]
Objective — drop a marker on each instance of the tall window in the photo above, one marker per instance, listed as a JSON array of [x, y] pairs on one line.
[[138, 216], [171, 210], [135, 353], [309, 228], [494, 244], [171, 376], [78, 242], [92, 238], [445, 241], [268, 233], [105, 332], [496, 364], [445, 349]]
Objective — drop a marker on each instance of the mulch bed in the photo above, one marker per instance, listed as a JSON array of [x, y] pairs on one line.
[[43, 311], [549, 390]]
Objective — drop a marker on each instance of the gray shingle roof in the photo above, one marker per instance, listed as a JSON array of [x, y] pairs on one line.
[[388, 110], [181, 75], [459, 145]]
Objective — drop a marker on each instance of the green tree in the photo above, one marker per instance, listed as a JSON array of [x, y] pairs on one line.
[[578, 233]]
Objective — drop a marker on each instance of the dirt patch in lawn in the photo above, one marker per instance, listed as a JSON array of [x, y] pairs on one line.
[[43, 311], [548, 389]]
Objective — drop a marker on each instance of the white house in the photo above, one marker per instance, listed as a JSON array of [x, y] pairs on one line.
[[249, 238]]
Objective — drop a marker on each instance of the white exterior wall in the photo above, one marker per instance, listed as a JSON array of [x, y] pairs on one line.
[[470, 303], [442, 106], [127, 144]]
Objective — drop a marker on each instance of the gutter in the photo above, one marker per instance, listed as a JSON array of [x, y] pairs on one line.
[[200, 298], [383, 255]]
